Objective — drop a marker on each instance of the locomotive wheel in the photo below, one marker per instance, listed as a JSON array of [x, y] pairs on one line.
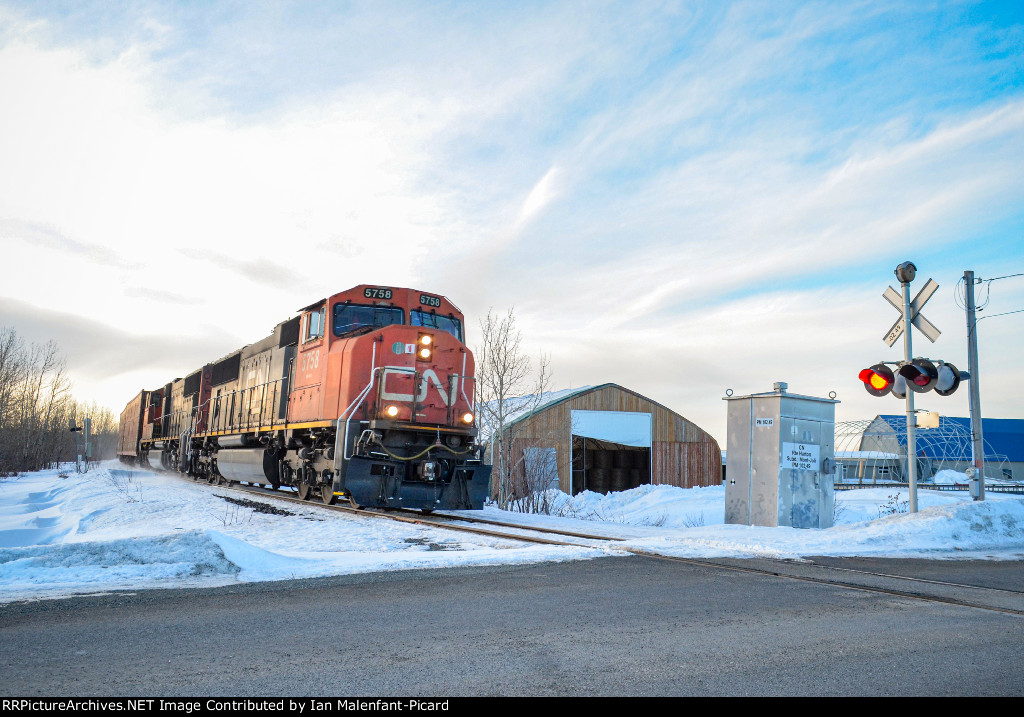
[[327, 493], [304, 490]]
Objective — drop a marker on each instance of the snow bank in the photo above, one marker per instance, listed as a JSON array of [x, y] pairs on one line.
[[115, 529], [45, 570]]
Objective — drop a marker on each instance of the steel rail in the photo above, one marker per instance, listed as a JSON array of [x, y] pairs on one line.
[[912, 579], [840, 583], [421, 520], [503, 524]]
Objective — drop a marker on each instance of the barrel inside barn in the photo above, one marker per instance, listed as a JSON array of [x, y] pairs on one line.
[[606, 467]]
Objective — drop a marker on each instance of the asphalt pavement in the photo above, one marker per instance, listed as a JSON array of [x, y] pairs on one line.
[[611, 626]]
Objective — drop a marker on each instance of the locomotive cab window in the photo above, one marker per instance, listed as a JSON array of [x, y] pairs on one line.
[[436, 321], [353, 317], [315, 324]]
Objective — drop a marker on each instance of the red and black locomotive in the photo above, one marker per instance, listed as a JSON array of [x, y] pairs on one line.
[[366, 395]]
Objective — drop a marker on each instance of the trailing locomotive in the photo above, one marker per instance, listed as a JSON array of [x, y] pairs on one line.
[[366, 395]]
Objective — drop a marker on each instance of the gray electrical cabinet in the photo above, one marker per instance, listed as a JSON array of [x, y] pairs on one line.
[[780, 462]]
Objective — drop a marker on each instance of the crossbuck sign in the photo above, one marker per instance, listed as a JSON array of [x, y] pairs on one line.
[[923, 325]]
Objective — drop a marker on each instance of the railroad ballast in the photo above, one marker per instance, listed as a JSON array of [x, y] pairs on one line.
[[366, 395]]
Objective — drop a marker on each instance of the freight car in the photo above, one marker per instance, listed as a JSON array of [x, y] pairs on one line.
[[367, 395]]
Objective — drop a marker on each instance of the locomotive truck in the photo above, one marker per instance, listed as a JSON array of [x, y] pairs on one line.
[[367, 395]]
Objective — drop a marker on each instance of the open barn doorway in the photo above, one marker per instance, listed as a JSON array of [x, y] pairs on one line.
[[605, 467], [611, 450]]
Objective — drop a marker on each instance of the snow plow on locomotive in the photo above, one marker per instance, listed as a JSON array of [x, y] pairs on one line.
[[366, 395]]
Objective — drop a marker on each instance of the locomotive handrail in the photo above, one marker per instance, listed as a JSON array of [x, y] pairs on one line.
[[221, 418], [347, 415], [160, 419], [177, 430], [218, 420], [352, 406]]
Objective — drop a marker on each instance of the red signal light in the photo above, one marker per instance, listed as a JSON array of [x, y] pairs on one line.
[[921, 375], [877, 380]]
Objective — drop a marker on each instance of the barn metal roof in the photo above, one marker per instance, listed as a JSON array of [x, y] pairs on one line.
[[522, 407]]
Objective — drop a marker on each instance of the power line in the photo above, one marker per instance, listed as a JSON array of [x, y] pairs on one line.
[[992, 316], [960, 295]]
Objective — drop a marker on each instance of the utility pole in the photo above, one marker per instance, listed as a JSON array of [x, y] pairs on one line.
[[977, 442], [86, 447], [86, 433]]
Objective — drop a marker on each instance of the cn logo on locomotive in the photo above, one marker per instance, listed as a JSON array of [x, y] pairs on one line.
[[429, 377]]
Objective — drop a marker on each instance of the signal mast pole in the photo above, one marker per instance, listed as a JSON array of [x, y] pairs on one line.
[[977, 443], [905, 273]]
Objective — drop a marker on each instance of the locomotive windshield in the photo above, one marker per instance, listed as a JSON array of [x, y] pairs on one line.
[[435, 321], [352, 317]]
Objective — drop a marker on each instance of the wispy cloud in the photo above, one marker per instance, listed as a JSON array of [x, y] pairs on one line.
[[636, 175], [542, 194]]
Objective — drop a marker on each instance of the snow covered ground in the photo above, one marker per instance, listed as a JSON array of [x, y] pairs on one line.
[[64, 533]]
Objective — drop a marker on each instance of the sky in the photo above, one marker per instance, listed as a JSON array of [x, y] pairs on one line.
[[679, 197], [64, 533]]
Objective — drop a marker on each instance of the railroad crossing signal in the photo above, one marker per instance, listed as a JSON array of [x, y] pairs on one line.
[[914, 375], [878, 379], [920, 376], [922, 324], [949, 379]]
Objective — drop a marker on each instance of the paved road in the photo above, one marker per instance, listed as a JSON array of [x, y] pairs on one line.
[[613, 626]]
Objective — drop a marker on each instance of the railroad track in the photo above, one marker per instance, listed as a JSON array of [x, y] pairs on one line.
[[523, 533], [933, 591], [949, 593]]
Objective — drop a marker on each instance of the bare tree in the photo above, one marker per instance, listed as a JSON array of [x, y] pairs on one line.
[[505, 389], [36, 404]]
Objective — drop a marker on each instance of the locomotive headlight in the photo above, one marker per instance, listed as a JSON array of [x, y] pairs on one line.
[[391, 411], [425, 351], [467, 417]]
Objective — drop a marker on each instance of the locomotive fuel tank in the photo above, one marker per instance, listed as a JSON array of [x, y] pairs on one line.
[[249, 465]]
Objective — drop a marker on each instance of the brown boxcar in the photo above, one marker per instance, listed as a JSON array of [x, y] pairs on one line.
[[130, 430]]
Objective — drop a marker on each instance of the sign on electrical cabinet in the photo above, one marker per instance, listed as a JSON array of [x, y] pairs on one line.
[[780, 464]]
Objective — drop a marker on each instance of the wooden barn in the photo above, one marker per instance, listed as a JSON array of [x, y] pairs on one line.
[[606, 438]]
